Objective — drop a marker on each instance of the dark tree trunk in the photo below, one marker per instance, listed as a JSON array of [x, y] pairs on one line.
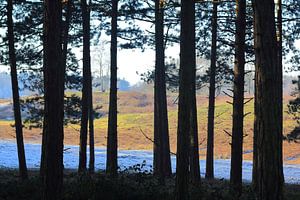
[[280, 67], [268, 108], [112, 137], [255, 130], [15, 92], [64, 61], [212, 90], [91, 131], [66, 27], [238, 99], [194, 144], [54, 100], [162, 161], [187, 68], [86, 89]]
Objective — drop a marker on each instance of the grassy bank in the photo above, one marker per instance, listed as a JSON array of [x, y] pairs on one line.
[[136, 116]]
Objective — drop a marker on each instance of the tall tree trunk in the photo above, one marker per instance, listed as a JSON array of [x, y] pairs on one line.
[[112, 137], [91, 131], [162, 161], [238, 99], [54, 100], [64, 64], [255, 130], [268, 108], [187, 68], [91, 137], [87, 84], [15, 91], [280, 67], [90, 86], [212, 90]]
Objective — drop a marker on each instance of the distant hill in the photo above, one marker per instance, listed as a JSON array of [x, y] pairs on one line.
[[5, 87]]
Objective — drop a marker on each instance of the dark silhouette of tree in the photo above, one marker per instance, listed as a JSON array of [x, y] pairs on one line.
[[186, 87], [238, 99], [162, 160], [54, 100], [86, 89], [211, 102], [193, 134], [65, 33], [268, 112], [15, 91], [112, 138]]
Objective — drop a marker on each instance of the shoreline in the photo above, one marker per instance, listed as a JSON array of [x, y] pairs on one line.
[[103, 148]]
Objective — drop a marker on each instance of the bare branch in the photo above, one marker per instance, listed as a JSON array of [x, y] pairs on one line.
[[227, 133]]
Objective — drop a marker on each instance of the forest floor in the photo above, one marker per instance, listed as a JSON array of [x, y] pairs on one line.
[[126, 186], [135, 124]]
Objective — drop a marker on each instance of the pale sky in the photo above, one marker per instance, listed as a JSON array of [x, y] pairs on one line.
[[132, 61]]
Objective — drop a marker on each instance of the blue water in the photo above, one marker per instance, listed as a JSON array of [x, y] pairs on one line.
[[126, 158]]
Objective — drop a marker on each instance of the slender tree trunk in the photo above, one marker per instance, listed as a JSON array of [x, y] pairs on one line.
[[238, 99], [280, 67], [187, 68], [66, 27], [269, 112], [15, 91], [92, 143], [112, 137], [86, 24], [162, 161], [91, 131], [86, 86], [212, 90], [54, 100], [194, 144]]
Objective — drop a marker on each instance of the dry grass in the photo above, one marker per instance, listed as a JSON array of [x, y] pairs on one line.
[[136, 115]]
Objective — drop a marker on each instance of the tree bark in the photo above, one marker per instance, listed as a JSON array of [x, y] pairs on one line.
[[112, 137], [268, 108], [212, 90], [280, 67], [255, 130], [238, 100], [194, 144], [64, 64], [162, 161], [15, 92], [86, 89], [54, 100], [187, 68]]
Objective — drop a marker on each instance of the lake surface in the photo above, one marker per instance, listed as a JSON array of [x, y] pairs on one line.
[[126, 159]]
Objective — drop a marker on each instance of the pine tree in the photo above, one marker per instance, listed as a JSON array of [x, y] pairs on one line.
[[238, 99], [15, 91], [54, 101], [211, 104], [112, 138], [86, 89], [187, 69], [162, 161], [268, 112]]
